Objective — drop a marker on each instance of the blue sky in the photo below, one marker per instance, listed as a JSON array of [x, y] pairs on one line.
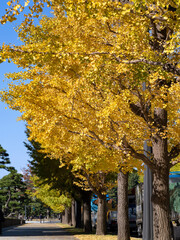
[[12, 132]]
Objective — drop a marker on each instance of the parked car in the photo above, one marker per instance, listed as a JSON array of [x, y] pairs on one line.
[[112, 220]]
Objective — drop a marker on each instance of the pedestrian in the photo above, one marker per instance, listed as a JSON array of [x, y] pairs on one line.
[[40, 218]]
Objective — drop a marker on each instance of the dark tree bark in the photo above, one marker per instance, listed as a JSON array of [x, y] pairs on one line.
[[101, 215], [63, 217], [87, 211], [160, 197], [78, 213], [100, 188], [123, 221]]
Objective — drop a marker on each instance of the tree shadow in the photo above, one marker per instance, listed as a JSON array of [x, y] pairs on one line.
[[35, 230]]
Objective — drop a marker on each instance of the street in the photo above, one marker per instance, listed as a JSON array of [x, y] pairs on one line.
[[46, 231], [36, 231]]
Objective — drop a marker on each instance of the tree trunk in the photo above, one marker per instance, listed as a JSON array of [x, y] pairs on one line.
[[73, 214], [101, 215], [67, 216], [123, 221], [78, 213], [63, 217], [160, 197], [87, 212], [7, 202]]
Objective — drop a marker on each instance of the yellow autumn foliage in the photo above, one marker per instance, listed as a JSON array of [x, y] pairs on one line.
[[85, 67], [51, 197]]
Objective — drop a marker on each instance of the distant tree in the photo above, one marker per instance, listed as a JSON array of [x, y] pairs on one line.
[[174, 197], [4, 159], [59, 178], [51, 197], [47, 169], [77, 182], [133, 179], [26, 172], [13, 195], [112, 193], [34, 206]]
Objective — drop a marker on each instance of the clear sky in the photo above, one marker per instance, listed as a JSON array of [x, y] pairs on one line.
[[12, 132]]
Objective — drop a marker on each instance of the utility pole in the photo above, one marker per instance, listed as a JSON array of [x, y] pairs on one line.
[[25, 212], [147, 204]]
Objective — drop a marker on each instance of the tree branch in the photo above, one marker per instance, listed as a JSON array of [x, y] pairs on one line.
[[168, 67], [8, 200], [112, 127], [175, 151], [137, 155], [110, 29], [99, 140], [93, 188], [153, 17], [137, 109]]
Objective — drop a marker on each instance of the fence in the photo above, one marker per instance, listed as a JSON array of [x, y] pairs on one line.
[[11, 222]]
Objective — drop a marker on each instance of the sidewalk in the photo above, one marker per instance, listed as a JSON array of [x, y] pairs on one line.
[[36, 231]]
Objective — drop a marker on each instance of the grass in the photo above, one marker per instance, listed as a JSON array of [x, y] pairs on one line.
[[79, 234]]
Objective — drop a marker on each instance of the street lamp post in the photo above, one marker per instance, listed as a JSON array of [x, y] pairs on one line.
[[25, 212], [147, 204]]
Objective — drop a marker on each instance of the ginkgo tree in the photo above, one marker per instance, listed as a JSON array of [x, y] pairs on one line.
[[67, 135], [61, 179], [51, 197], [75, 174], [16, 7], [91, 173], [88, 171], [88, 65]]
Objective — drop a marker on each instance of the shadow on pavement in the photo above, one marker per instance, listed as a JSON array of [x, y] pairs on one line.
[[36, 230]]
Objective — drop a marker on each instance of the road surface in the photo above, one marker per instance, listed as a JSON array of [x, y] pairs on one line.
[[36, 231]]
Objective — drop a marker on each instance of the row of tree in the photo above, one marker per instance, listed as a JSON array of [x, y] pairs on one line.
[[99, 78], [66, 191], [62, 188], [15, 200]]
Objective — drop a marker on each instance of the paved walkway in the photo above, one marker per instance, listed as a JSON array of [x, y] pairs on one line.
[[36, 231]]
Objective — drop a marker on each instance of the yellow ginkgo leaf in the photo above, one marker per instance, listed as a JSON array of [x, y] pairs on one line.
[[17, 7], [9, 3], [26, 3]]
